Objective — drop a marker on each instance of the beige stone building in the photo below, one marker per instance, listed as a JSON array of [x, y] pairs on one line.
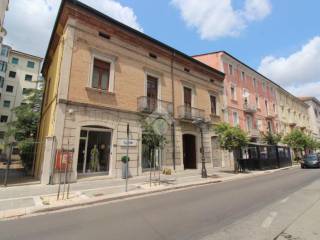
[[4, 5], [314, 115], [292, 112], [102, 75]]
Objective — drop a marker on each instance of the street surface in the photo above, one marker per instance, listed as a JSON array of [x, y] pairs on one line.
[[256, 208]]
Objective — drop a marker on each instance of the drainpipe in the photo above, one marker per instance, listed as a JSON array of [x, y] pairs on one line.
[[173, 113]]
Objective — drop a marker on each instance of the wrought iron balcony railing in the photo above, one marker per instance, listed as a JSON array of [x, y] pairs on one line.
[[190, 113], [249, 108], [152, 105]]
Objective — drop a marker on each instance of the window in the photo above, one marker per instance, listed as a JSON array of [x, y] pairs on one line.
[[243, 76], [101, 75], [213, 101], [4, 51], [266, 104], [264, 86], [3, 66], [28, 77], [12, 74], [30, 64], [249, 122], [255, 84], [235, 118], [3, 118], [1, 82], [25, 91], [1, 135], [274, 108], [9, 88], [257, 102], [230, 69], [6, 103], [233, 93], [259, 124], [15, 60]]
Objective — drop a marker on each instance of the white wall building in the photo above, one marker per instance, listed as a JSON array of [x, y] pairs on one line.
[[314, 115], [4, 4], [22, 73]]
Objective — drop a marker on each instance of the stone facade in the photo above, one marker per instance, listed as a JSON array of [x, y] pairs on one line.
[[73, 108], [314, 115]]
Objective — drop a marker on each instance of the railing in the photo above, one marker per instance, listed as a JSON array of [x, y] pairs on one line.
[[271, 115], [249, 108], [152, 105], [215, 118], [190, 113], [253, 132]]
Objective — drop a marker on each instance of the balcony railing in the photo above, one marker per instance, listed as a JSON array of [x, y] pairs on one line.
[[271, 115], [190, 113], [215, 118], [253, 132], [152, 105], [249, 108]]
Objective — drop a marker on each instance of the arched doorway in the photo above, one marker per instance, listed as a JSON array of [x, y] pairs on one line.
[[94, 150], [189, 151]]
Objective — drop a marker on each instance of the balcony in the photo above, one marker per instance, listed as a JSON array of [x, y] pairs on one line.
[[215, 118], [190, 113], [254, 132], [151, 105], [249, 108], [271, 115]]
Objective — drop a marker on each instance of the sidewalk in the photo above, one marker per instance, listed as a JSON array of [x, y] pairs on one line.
[[306, 227], [22, 200]]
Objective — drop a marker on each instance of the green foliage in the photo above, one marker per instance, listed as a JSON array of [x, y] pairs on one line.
[[299, 141], [24, 127], [150, 138], [270, 138], [231, 138], [124, 159]]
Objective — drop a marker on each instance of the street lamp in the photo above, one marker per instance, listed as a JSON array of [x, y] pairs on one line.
[[200, 123]]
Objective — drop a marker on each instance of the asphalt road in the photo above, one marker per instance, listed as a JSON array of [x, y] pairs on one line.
[[189, 214]]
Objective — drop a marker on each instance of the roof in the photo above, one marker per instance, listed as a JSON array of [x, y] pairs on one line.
[[26, 54], [252, 69], [314, 99], [126, 28]]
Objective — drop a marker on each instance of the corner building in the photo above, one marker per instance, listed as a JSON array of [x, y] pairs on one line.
[[101, 75]]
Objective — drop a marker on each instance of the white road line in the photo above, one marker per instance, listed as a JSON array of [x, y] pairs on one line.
[[268, 221], [284, 200], [37, 201]]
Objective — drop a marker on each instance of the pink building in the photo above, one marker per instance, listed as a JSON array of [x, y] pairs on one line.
[[249, 99]]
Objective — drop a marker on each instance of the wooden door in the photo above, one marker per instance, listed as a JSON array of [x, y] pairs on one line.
[[187, 93]]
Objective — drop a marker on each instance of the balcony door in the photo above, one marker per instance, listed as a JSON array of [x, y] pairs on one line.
[[152, 92], [187, 98]]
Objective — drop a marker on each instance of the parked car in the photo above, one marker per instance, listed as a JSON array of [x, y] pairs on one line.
[[311, 161]]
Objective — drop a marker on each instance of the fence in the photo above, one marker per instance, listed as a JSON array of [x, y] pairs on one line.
[[17, 162], [261, 157]]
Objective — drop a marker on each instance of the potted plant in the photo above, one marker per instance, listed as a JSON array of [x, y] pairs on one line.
[[125, 166]]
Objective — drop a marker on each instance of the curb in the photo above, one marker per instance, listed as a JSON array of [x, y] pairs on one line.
[[21, 212]]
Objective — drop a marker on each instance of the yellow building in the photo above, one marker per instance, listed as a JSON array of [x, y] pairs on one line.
[[102, 75]]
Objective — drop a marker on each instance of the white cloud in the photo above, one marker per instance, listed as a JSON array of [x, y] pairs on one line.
[[217, 18], [296, 70], [306, 90], [29, 23]]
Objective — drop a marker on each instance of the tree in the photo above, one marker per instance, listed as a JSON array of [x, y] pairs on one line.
[[24, 127], [232, 139], [151, 141], [297, 140], [271, 138]]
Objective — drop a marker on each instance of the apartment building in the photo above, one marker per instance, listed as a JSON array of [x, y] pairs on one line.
[[4, 5], [292, 112], [314, 115], [249, 97], [21, 73], [101, 76]]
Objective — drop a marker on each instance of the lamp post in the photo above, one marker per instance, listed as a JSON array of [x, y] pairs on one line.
[[200, 123]]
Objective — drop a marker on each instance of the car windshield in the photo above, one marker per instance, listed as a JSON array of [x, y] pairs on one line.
[[311, 158]]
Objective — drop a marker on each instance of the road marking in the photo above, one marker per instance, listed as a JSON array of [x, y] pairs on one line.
[[284, 200], [268, 221], [37, 201]]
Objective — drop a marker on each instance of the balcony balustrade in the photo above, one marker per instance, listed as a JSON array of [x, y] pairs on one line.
[[190, 113], [151, 105], [249, 108]]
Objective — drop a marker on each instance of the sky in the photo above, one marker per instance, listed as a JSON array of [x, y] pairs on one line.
[[279, 38]]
